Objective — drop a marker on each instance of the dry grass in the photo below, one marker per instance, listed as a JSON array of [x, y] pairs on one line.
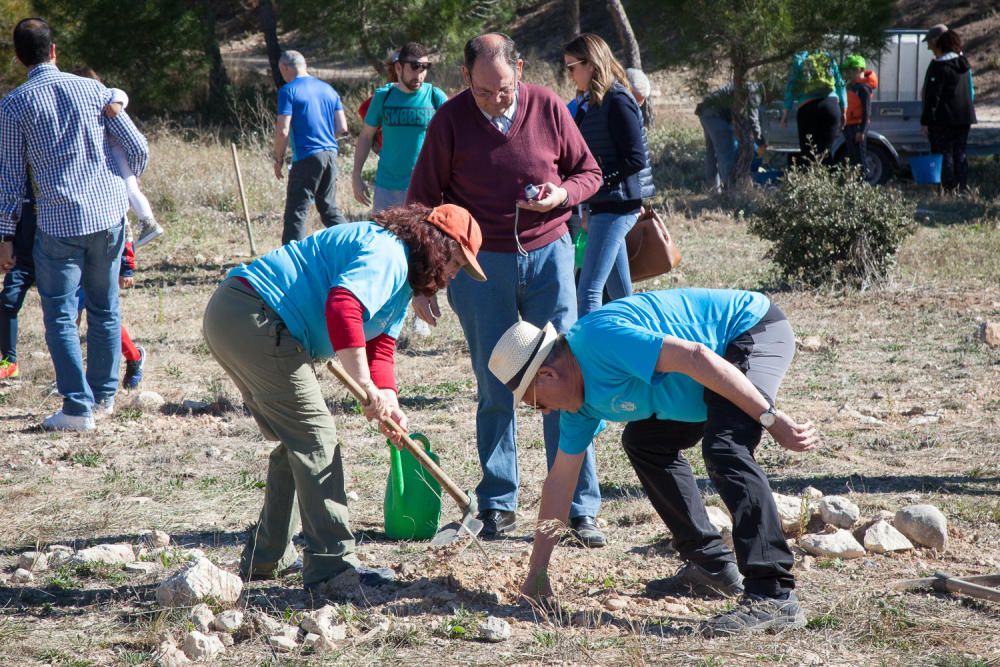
[[889, 352]]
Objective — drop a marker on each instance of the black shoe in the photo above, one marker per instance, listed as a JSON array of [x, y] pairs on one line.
[[497, 524], [584, 529], [756, 614], [294, 568], [693, 578]]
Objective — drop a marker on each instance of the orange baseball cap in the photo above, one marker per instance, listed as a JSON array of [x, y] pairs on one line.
[[459, 224]]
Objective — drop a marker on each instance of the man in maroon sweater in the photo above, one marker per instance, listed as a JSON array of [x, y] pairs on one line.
[[482, 148]]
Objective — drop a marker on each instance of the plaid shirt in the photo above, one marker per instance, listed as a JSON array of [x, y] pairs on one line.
[[54, 124]]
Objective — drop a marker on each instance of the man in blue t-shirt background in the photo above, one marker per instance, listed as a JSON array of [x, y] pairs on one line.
[[403, 110], [311, 114]]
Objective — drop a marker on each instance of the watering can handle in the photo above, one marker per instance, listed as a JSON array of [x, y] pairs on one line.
[[414, 448]]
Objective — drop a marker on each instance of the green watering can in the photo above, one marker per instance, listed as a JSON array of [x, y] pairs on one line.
[[412, 496]]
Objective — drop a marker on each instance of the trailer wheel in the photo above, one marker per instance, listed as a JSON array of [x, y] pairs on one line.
[[880, 164]]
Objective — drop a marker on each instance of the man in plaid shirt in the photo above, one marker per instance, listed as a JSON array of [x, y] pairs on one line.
[[53, 125]]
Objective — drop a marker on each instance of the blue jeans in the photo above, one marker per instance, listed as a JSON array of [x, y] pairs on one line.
[[18, 280], [720, 151], [605, 261], [539, 289], [61, 266]]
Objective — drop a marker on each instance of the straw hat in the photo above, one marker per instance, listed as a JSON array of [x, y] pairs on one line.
[[519, 354]]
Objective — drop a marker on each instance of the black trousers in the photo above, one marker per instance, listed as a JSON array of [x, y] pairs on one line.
[[729, 437], [950, 141], [857, 153], [818, 123], [311, 180]]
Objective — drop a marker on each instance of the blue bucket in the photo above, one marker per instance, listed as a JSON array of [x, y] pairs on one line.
[[926, 169]]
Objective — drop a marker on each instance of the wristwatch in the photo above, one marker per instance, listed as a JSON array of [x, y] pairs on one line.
[[767, 419]]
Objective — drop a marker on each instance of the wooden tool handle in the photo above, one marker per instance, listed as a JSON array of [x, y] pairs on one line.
[[414, 448]]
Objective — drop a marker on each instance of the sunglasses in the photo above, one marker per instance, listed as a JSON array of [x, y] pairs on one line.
[[572, 66], [419, 67]]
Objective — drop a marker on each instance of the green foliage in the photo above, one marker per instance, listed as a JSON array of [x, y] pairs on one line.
[[830, 228], [155, 51], [12, 73], [376, 26], [745, 37]]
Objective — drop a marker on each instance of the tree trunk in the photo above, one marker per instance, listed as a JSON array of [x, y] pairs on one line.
[[632, 56], [218, 79], [741, 126], [572, 18], [269, 26]]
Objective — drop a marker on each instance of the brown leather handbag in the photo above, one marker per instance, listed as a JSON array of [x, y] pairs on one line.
[[651, 251]]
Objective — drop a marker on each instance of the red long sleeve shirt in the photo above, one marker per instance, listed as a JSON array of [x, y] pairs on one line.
[[345, 325]]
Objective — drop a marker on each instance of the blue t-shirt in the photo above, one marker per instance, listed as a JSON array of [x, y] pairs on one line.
[[362, 257], [404, 118], [618, 345], [313, 106]]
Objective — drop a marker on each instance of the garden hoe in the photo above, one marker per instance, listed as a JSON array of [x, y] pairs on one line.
[[983, 586], [469, 524]]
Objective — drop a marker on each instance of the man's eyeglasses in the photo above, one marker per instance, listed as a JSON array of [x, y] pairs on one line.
[[505, 92], [571, 66], [417, 66]]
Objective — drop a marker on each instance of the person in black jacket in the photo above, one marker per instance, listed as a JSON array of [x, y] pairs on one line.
[[611, 123], [948, 111]]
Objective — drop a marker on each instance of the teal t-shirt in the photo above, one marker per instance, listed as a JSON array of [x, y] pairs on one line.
[[362, 257], [404, 118], [618, 345]]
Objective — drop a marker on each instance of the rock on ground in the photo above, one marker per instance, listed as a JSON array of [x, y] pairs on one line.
[[839, 511], [811, 344], [111, 554], [494, 629], [22, 576], [882, 538], [812, 493], [615, 603], [720, 519], [197, 581], [924, 525], [838, 544], [989, 333], [168, 655], [199, 646], [318, 643], [228, 621], [150, 400], [158, 538], [33, 561], [283, 643], [790, 513], [862, 528], [323, 622], [59, 555], [202, 617], [142, 567]]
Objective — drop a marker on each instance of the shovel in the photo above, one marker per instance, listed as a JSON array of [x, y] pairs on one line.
[[469, 524]]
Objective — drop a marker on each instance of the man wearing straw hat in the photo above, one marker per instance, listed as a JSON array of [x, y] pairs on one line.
[[679, 366]]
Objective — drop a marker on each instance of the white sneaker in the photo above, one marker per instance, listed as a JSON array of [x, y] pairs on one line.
[[104, 409], [60, 421], [148, 230]]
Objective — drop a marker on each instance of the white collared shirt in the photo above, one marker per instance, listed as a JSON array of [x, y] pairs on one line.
[[506, 121]]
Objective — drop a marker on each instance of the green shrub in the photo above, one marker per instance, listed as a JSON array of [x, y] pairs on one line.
[[830, 228]]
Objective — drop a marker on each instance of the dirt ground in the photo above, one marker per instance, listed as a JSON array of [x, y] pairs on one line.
[[887, 358]]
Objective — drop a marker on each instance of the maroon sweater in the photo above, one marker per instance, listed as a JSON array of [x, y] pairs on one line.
[[467, 161]]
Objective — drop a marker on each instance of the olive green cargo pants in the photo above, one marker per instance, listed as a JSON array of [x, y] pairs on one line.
[[275, 376]]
